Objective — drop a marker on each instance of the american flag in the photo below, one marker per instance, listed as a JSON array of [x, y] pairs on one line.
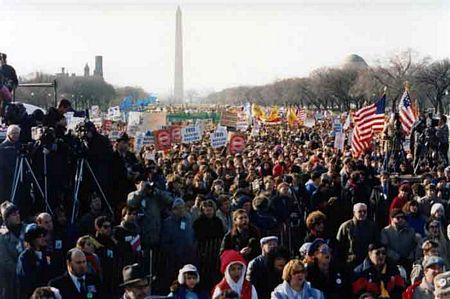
[[406, 113], [301, 114], [368, 121]]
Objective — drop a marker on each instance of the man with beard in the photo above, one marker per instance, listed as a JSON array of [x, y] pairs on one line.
[[355, 235], [243, 237], [76, 283], [11, 245], [260, 269]]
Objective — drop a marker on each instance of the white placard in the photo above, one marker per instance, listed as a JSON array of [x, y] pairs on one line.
[[219, 138], [191, 134], [339, 140]]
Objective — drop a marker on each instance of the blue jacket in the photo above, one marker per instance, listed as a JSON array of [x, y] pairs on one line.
[[284, 291]]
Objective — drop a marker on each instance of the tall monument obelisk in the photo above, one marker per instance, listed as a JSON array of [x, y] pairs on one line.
[[178, 86]]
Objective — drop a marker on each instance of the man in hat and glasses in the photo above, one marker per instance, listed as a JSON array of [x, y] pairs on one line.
[[136, 284]]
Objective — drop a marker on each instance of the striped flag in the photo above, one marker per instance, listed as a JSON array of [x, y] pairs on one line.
[[301, 114], [368, 121], [406, 113]]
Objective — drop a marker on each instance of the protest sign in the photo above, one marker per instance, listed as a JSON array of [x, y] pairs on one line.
[[310, 122], [237, 143], [191, 134], [95, 112], [114, 135], [219, 138], [339, 140], [228, 119], [162, 139], [175, 134], [114, 113]]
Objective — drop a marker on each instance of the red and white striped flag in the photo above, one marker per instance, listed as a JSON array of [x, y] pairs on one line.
[[301, 113], [406, 113], [368, 121]]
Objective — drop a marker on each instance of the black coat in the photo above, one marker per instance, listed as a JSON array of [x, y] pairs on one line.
[[8, 155], [68, 289], [262, 275], [32, 272], [207, 229]]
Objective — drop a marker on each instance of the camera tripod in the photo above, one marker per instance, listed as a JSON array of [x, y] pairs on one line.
[[395, 155], [428, 154], [21, 163], [81, 164]]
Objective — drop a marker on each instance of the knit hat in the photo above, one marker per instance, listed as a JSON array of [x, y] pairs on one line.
[[435, 207], [178, 202], [315, 245], [7, 208], [33, 231], [229, 257], [186, 269]]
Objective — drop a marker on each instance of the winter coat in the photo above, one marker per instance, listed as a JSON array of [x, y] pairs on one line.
[[242, 287], [284, 291], [151, 206], [237, 241], [368, 279], [263, 276], [335, 285], [400, 242], [11, 246], [207, 229], [32, 271], [353, 239]]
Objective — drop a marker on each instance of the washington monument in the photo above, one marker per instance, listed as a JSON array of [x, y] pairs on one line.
[[178, 86]]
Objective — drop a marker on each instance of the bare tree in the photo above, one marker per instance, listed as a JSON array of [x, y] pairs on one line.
[[435, 80]]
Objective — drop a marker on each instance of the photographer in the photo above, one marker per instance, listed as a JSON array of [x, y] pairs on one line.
[[151, 201], [8, 155], [9, 73], [126, 169]]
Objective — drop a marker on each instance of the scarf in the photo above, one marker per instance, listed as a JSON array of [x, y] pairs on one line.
[[383, 292]]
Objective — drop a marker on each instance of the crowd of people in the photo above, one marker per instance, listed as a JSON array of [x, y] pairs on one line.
[[288, 217]]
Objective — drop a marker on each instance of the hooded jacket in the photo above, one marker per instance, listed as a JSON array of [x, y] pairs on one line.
[[242, 287], [284, 291]]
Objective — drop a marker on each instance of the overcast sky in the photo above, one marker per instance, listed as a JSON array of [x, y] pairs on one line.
[[226, 42]]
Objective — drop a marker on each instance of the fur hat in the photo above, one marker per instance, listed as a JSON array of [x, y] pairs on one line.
[[186, 269]]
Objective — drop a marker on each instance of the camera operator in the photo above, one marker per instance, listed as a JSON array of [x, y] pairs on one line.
[[418, 138], [151, 201], [54, 115], [99, 154], [51, 160], [126, 169], [442, 134], [8, 154], [5, 96], [9, 73]]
